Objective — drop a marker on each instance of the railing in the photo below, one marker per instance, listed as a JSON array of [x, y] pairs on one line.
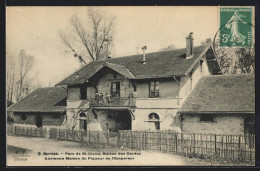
[[115, 101], [125, 102]]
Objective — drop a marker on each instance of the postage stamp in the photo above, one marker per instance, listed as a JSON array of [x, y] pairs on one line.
[[236, 26]]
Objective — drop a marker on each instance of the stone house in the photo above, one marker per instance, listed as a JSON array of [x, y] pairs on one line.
[[139, 92], [221, 104], [44, 107]]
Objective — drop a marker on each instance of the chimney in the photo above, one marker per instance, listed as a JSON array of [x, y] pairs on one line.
[[144, 48], [189, 46]]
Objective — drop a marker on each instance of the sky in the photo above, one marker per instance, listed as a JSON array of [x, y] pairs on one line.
[[35, 29]]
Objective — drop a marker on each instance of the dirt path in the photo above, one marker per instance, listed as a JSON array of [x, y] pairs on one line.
[[24, 151]]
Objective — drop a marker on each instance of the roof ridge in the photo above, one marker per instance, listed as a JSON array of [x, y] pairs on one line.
[[148, 53], [158, 63]]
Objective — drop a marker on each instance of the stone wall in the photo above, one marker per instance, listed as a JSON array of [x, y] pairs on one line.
[[222, 124], [167, 117], [48, 119]]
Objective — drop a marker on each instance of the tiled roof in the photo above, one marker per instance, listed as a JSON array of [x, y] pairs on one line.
[[50, 99], [158, 65], [222, 94]]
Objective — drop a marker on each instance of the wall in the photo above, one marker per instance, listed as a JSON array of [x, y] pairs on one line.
[[168, 87], [104, 84], [166, 109], [185, 87], [30, 118], [73, 93], [223, 124], [100, 120], [168, 119], [47, 119], [205, 69], [196, 75], [189, 81]]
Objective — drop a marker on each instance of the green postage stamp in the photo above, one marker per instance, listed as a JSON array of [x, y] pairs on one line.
[[236, 26]]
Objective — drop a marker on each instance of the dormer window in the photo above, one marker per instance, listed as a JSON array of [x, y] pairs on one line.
[[154, 89]]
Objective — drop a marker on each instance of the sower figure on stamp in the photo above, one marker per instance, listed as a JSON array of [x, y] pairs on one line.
[[232, 24]]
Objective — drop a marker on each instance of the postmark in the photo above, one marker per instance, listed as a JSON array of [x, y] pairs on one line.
[[235, 26]]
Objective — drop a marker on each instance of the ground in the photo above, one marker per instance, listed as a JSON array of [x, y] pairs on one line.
[[24, 151]]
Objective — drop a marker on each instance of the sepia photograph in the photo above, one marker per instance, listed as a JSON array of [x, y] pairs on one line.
[[130, 86]]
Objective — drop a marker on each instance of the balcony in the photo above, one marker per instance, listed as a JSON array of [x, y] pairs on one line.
[[125, 103]]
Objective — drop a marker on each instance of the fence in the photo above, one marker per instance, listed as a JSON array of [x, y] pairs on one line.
[[26, 131], [89, 137], [227, 147]]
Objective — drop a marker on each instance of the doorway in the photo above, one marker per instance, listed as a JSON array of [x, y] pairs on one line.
[[123, 120], [249, 125], [39, 120], [249, 130]]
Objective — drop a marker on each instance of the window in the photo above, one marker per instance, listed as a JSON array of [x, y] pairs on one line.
[[207, 118], [83, 93], [23, 116], [153, 117], [154, 89], [115, 89], [154, 121], [82, 115]]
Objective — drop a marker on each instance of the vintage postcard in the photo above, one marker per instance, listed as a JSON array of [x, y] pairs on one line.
[[130, 86]]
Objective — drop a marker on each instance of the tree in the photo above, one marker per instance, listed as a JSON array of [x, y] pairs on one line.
[[25, 63], [10, 77], [225, 59], [91, 40], [245, 60]]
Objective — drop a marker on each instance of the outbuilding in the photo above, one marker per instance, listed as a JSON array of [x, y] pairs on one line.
[[43, 107], [220, 104]]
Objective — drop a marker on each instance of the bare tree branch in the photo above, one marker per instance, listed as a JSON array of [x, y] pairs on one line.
[[92, 36]]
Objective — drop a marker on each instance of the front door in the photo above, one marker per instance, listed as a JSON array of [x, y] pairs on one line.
[[39, 120]]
